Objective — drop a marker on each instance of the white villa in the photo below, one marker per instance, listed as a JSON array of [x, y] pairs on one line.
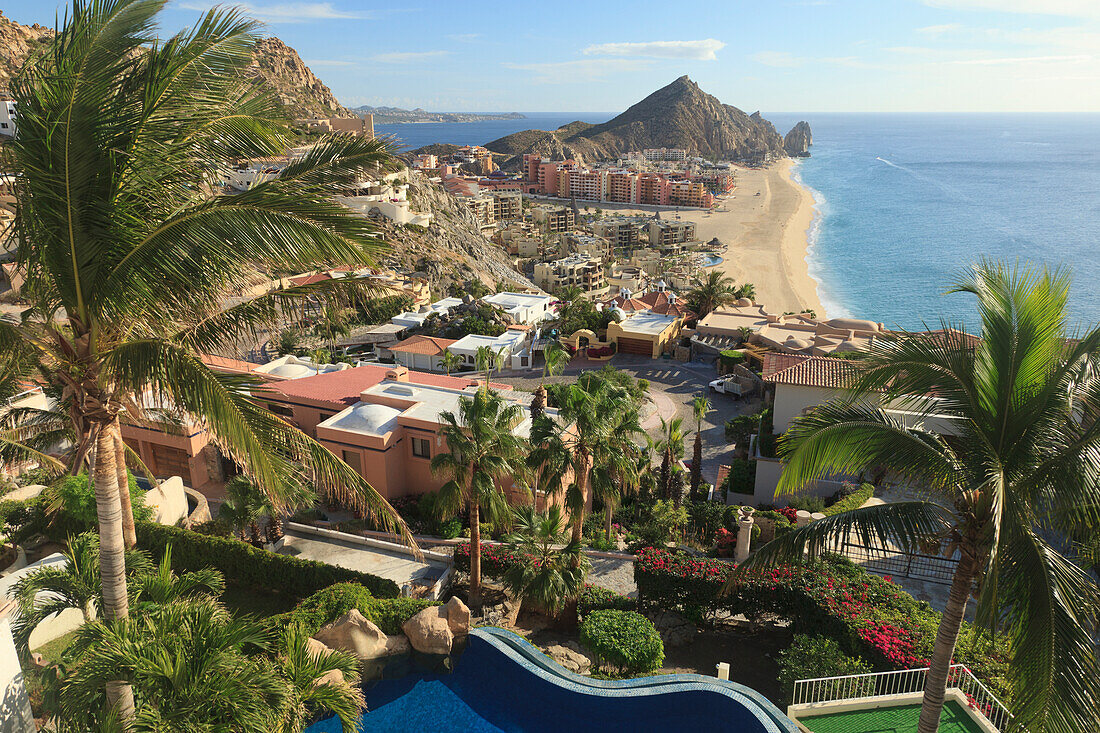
[[528, 308]]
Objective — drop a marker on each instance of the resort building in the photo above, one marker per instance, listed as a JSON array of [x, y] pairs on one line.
[[514, 344], [7, 117], [579, 270], [421, 353], [362, 126], [626, 278], [555, 218], [589, 245], [663, 233], [525, 308], [412, 319], [792, 333], [645, 332], [622, 232], [507, 205], [692, 194], [664, 154], [649, 261], [483, 208], [425, 161], [385, 197]]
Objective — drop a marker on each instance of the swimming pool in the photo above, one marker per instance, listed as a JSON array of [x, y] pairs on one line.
[[502, 684], [710, 260]]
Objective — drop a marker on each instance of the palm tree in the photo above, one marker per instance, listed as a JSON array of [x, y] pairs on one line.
[[549, 574], [1016, 472], [310, 687], [671, 448], [129, 254], [555, 359], [567, 447], [243, 508], [450, 361], [615, 472], [710, 292], [482, 450], [164, 586], [700, 408], [748, 290], [490, 360]]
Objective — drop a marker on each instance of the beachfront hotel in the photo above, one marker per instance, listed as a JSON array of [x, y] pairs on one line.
[[567, 179]]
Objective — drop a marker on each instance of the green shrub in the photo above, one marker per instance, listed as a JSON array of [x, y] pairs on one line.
[[595, 598], [742, 477], [731, 357], [854, 500], [809, 657], [329, 604], [625, 639], [450, 529], [243, 564], [811, 504], [738, 429], [77, 496]]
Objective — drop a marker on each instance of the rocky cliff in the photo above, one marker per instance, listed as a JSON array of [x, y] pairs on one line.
[[798, 141], [277, 64], [451, 250], [679, 115]]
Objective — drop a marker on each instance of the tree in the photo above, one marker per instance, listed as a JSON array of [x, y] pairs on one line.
[[548, 574], [700, 408], [481, 451], [243, 508], [555, 359], [449, 361], [1017, 471], [490, 360], [615, 470], [748, 290], [129, 254], [711, 292], [671, 447]]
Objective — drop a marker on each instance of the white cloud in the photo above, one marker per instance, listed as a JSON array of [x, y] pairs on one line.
[[406, 57], [704, 50], [584, 70], [464, 37], [328, 62], [778, 59], [1021, 60], [1071, 8], [937, 30], [300, 12]]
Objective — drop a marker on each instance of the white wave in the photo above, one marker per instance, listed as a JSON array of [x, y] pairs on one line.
[[814, 262]]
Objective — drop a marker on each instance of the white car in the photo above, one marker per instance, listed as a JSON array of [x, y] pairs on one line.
[[727, 386]]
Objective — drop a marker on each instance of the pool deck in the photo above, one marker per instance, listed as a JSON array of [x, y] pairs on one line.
[[897, 719]]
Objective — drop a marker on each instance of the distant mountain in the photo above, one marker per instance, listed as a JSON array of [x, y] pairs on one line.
[[396, 115], [680, 115], [277, 64]]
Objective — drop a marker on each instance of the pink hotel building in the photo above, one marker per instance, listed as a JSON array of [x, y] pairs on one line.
[[565, 179]]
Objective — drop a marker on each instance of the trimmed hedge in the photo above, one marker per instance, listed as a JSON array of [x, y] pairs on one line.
[[810, 657], [243, 564], [329, 604], [595, 598], [625, 639], [853, 501], [868, 616]]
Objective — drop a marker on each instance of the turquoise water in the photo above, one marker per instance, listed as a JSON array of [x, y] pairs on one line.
[[711, 260], [906, 201]]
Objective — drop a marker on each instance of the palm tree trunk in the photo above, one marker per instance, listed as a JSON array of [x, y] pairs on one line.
[[935, 686], [666, 473], [475, 558], [697, 462], [578, 516], [112, 564], [607, 520], [128, 532]]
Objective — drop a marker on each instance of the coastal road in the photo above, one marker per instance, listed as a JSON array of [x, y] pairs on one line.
[[673, 387]]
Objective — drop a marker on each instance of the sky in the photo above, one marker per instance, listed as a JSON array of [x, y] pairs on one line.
[[602, 56]]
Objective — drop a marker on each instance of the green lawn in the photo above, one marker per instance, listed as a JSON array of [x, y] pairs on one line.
[[898, 719]]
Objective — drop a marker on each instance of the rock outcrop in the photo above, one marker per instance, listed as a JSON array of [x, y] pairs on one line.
[[287, 75], [798, 141], [434, 630], [17, 42], [355, 634], [679, 115], [571, 656]]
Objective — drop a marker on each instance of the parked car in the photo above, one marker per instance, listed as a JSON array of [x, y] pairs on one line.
[[727, 386]]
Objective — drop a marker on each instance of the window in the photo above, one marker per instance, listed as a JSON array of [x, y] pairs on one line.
[[353, 460], [278, 409], [422, 448], [4, 125]]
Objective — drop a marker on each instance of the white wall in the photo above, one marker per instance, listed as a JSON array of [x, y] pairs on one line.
[[53, 627], [792, 400], [15, 707]]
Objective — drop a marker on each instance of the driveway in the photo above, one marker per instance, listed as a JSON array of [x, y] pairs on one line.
[[673, 387]]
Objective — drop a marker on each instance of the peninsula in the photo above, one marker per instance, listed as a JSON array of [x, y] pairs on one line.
[[398, 116]]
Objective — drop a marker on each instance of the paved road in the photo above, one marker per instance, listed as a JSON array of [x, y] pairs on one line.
[[673, 387]]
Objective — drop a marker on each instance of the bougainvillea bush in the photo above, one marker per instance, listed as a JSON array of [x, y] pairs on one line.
[[868, 616], [495, 559]]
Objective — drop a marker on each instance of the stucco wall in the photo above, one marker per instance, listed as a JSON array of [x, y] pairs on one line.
[[15, 706], [791, 400]]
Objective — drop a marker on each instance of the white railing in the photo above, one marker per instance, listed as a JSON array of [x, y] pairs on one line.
[[901, 682]]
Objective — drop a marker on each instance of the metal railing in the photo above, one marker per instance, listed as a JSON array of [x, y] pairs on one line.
[[890, 561], [900, 682]]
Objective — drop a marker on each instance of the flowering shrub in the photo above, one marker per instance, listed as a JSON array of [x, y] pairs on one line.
[[868, 616], [789, 513], [495, 559]]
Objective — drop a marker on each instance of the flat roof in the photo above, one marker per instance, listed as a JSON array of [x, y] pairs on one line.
[[647, 322], [510, 299]]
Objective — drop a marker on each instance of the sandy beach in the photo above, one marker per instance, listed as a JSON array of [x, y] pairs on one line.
[[765, 235]]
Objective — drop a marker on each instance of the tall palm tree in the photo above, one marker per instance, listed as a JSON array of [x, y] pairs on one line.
[[129, 254], [490, 360], [615, 471], [482, 450], [710, 292], [549, 574], [700, 406], [450, 361], [748, 290], [1016, 471], [671, 447], [555, 359], [566, 448]]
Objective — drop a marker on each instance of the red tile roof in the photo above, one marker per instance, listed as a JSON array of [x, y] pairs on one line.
[[226, 364], [816, 371], [658, 302], [429, 345], [309, 279], [342, 388], [775, 361]]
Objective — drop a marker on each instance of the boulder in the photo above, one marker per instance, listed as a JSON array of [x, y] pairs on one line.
[[675, 630], [571, 656], [355, 634], [429, 631], [315, 648], [457, 615], [333, 677]]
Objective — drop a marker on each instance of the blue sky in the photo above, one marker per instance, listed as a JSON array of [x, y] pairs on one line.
[[772, 55]]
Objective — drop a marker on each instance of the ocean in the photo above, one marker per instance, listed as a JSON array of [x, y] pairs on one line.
[[907, 201]]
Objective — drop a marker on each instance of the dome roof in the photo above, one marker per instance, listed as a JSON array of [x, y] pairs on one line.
[[620, 313], [848, 346], [292, 371], [743, 302], [367, 418], [852, 324], [796, 343]]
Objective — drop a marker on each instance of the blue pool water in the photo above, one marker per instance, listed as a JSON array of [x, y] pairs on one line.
[[711, 260], [501, 684]]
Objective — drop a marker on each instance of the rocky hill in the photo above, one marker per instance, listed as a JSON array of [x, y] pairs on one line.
[[680, 115], [277, 64], [798, 141]]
